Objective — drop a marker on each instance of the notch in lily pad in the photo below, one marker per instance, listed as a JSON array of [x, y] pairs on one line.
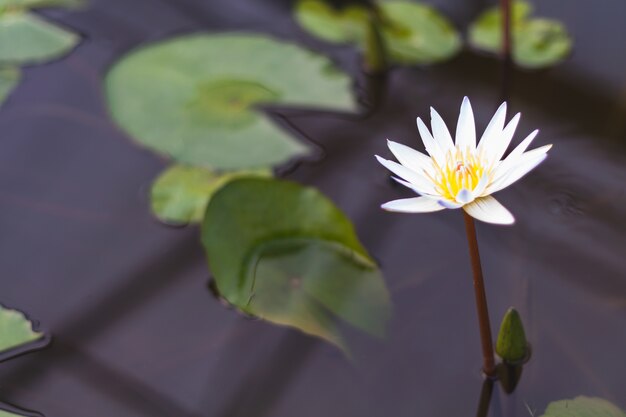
[[412, 33], [285, 253], [583, 406], [18, 334], [179, 195], [537, 42], [197, 98]]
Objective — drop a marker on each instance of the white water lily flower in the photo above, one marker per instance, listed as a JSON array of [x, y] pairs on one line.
[[461, 173]]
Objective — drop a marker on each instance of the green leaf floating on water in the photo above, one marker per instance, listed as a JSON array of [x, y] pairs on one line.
[[194, 98], [583, 407], [27, 39], [181, 193], [333, 25], [413, 33], [9, 77], [15, 330], [537, 42], [287, 254]]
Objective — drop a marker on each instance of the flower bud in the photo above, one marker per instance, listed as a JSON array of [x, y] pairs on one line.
[[512, 346]]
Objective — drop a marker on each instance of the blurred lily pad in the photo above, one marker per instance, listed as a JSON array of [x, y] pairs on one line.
[[285, 253], [31, 4], [8, 414], [15, 330], [537, 42], [181, 193], [417, 33], [413, 33], [583, 407], [9, 77], [195, 98], [27, 39], [331, 24]]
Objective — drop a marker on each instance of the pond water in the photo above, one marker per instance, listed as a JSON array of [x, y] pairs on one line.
[[138, 333]]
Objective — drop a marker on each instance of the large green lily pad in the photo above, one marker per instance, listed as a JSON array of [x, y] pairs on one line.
[[413, 33], [194, 98], [285, 253], [15, 330], [28, 39], [537, 42], [583, 407], [181, 193], [9, 77]]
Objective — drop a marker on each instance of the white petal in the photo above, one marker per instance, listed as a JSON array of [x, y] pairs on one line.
[[407, 174], [450, 204], [515, 159], [464, 196], [440, 131], [466, 127], [432, 147], [413, 205], [420, 190], [527, 163], [494, 128], [487, 209], [481, 186], [519, 149], [409, 157], [499, 145]]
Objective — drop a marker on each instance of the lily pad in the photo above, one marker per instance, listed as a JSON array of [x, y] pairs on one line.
[[285, 253], [418, 33], [8, 414], [413, 33], [9, 77], [31, 4], [15, 330], [333, 25], [28, 39], [194, 98], [181, 193], [537, 42], [583, 407]]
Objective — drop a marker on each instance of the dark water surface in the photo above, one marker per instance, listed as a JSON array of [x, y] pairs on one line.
[[137, 333]]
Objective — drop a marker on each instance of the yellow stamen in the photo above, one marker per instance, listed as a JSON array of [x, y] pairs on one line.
[[461, 169]]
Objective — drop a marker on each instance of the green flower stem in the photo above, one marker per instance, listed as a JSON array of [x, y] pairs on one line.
[[489, 364]]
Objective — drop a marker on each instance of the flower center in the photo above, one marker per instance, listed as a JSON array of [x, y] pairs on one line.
[[461, 169]]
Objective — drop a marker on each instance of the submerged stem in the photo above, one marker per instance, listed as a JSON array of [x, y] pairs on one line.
[[489, 364], [505, 6], [507, 49], [375, 54]]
